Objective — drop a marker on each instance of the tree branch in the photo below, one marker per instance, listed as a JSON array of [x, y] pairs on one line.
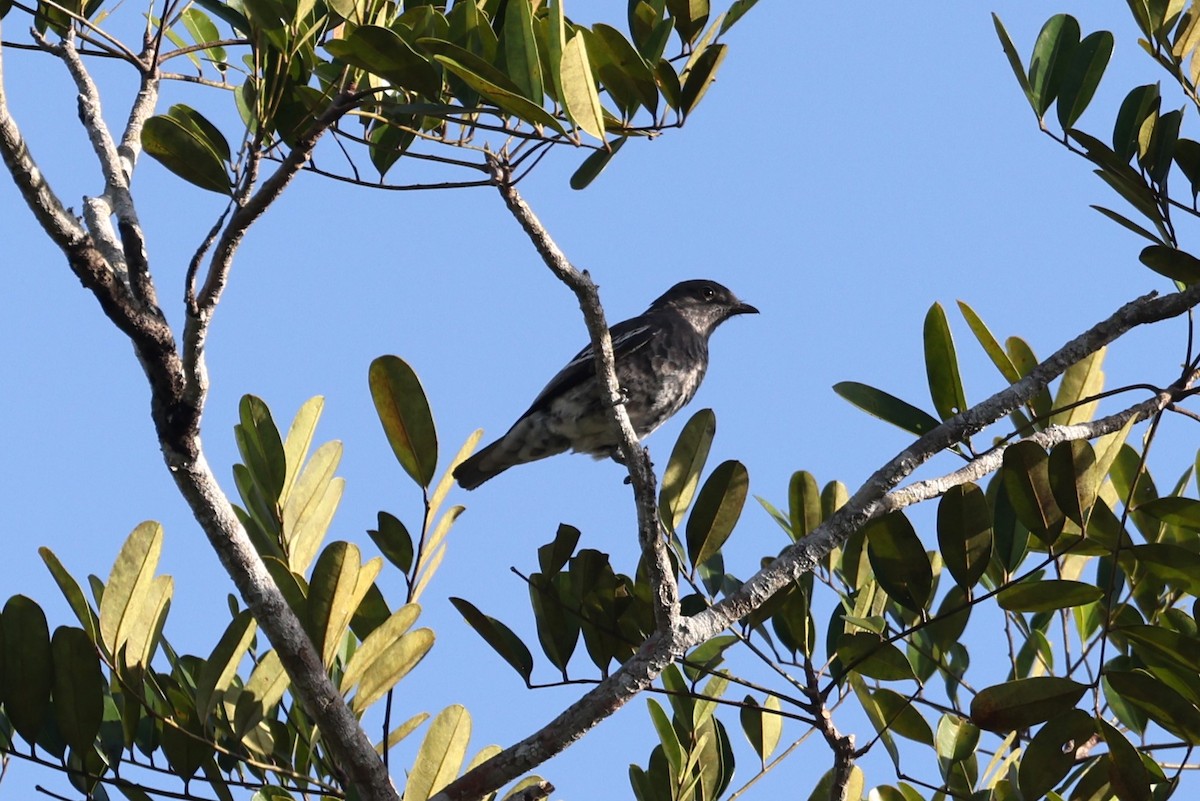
[[637, 460], [868, 502], [59, 224]]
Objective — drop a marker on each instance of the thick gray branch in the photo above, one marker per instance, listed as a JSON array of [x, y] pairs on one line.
[[59, 224], [868, 501]]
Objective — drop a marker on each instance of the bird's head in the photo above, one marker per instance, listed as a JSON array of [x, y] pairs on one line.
[[704, 304]]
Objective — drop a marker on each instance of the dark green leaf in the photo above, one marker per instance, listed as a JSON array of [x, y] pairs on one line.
[[990, 344], [902, 717], [1025, 702], [700, 77], [595, 163], [28, 666], [1160, 154], [1128, 224], [382, 52], [182, 151], [1047, 594], [1074, 479], [623, 56], [1177, 264], [887, 407], [682, 475], [1128, 775], [1052, 52], [1187, 156], [1027, 479], [518, 47], [1050, 755], [511, 102], [78, 687], [553, 555], [964, 527], [1084, 70], [735, 12], [261, 447], [804, 504], [404, 411], [867, 654], [204, 130], [1163, 704], [1173, 565], [1175, 511], [1014, 60], [1139, 104], [499, 636], [941, 365], [718, 507], [899, 560], [393, 541]]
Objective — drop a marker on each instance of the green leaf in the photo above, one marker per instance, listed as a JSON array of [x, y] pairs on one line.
[[902, 717], [1047, 594], [1082, 381], [183, 151], [1074, 479], [869, 655], [1050, 755], [518, 47], [1139, 104], [762, 725], [1129, 224], [1187, 156], [1082, 75], [718, 507], [579, 96], [991, 345], [391, 657], [701, 76], [499, 636], [553, 601], [672, 749], [736, 11], [899, 560], [1162, 703], [404, 411], [554, 555], [1158, 643], [941, 365], [623, 57], [1053, 50], [1014, 61], [1025, 702], [204, 130], [28, 666], [73, 593], [217, 674], [689, 17], [1171, 564], [1128, 775], [1027, 479], [594, 164], [393, 541], [441, 754], [804, 504], [887, 407], [511, 102], [299, 440], [260, 447], [311, 506], [1176, 264], [1174, 510], [964, 528], [382, 52], [339, 583], [1160, 153], [682, 475], [128, 591]]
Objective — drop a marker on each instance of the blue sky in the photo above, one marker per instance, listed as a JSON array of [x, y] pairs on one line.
[[848, 169]]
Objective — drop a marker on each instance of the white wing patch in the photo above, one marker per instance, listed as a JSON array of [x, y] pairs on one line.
[[586, 356]]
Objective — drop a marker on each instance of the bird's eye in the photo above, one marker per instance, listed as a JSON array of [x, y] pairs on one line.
[[708, 292]]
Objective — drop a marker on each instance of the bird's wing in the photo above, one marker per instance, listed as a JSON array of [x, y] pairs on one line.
[[627, 337]]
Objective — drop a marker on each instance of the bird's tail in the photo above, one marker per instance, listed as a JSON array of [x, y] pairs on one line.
[[487, 463]]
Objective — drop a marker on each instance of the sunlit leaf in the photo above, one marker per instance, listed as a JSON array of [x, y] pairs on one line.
[[1024, 702], [404, 411]]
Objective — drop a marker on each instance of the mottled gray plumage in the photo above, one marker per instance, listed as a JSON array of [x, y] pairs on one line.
[[661, 356]]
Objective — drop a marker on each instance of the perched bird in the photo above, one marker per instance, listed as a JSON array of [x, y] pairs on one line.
[[661, 356]]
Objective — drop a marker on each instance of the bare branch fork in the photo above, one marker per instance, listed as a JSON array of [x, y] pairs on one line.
[[115, 268], [876, 497]]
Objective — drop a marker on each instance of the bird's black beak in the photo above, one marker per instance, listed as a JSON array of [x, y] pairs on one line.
[[742, 308]]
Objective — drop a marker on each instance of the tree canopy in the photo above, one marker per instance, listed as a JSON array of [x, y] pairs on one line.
[[1014, 620]]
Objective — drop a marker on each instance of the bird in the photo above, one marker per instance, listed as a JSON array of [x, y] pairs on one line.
[[661, 357]]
